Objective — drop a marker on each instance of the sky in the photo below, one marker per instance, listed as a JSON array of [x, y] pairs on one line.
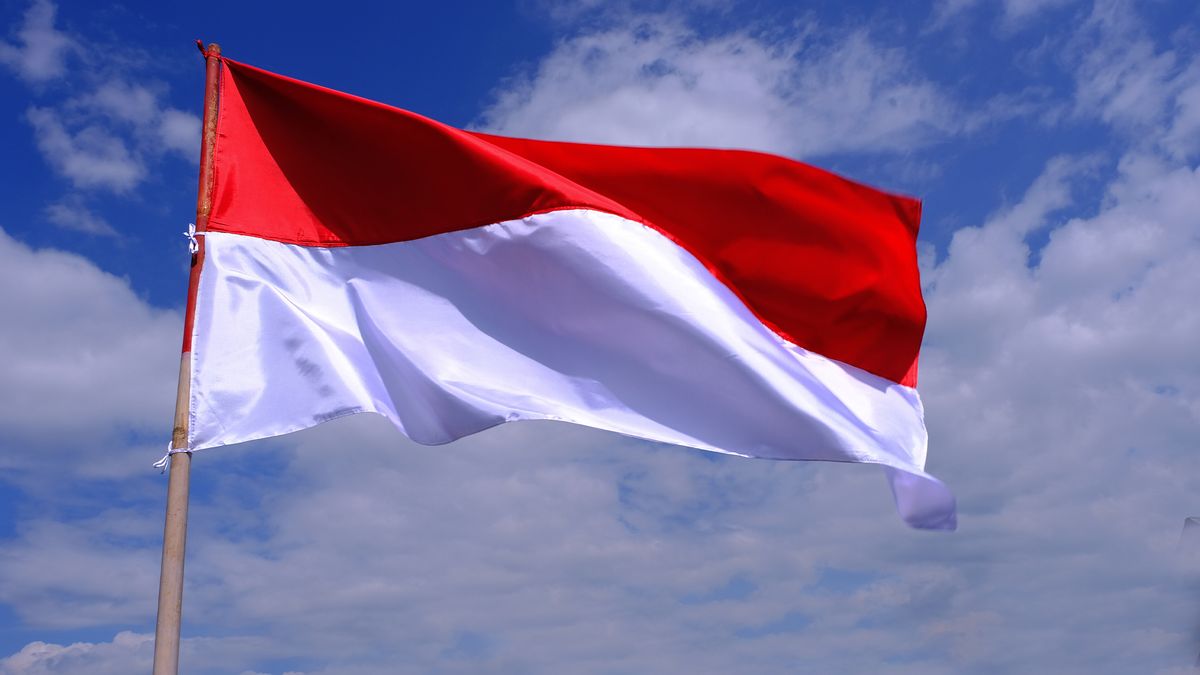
[[1056, 146]]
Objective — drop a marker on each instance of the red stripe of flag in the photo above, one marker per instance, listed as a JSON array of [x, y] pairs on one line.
[[827, 263]]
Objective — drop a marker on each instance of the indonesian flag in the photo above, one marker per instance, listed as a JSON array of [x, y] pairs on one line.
[[361, 258]]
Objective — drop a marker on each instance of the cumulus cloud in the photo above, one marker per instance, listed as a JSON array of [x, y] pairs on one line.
[[96, 361], [1080, 374], [656, 82], [41, 50], [127, 653]]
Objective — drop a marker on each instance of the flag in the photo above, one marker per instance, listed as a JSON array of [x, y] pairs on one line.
[[362, 258]]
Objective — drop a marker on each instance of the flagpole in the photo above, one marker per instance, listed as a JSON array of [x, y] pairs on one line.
[[170, 581]]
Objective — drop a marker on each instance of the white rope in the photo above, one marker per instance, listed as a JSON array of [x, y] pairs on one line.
[[191, 234], [166, 459]]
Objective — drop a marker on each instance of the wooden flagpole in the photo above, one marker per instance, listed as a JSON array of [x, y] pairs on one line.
[[170, 581]]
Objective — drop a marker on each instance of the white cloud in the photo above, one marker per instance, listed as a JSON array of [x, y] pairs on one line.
[[1014, 14], [1123, 78], [658, 83], [1017, 12], [946, 11], [180, 132], [42, 577], [41, 53], [156, 128], [124, 102], [1082, 385], [1080, 369], [95, 360], [107, 137], [72, 214], [128, 652], [1182, 140], [90, 157]]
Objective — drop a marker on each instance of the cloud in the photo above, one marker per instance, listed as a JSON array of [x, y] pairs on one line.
[[1020, 11], [1077, 359], [107, 137], [128, 652], [41, 52], [135, 105], [1014, 14], [655, 82], [1124, 79], [73, 215], [42, 579], [180, 132], [1083, 387], [90, 157], [1182, 140], [96, 362], [156, 128]]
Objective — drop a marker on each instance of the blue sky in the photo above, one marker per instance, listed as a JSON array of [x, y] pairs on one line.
[[1056, 144]]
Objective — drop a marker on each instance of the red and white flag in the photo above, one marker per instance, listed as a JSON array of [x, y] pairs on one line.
[[361, 258]]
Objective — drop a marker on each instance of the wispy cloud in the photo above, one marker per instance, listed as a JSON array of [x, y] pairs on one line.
[[71, 214], [1013, 14]]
